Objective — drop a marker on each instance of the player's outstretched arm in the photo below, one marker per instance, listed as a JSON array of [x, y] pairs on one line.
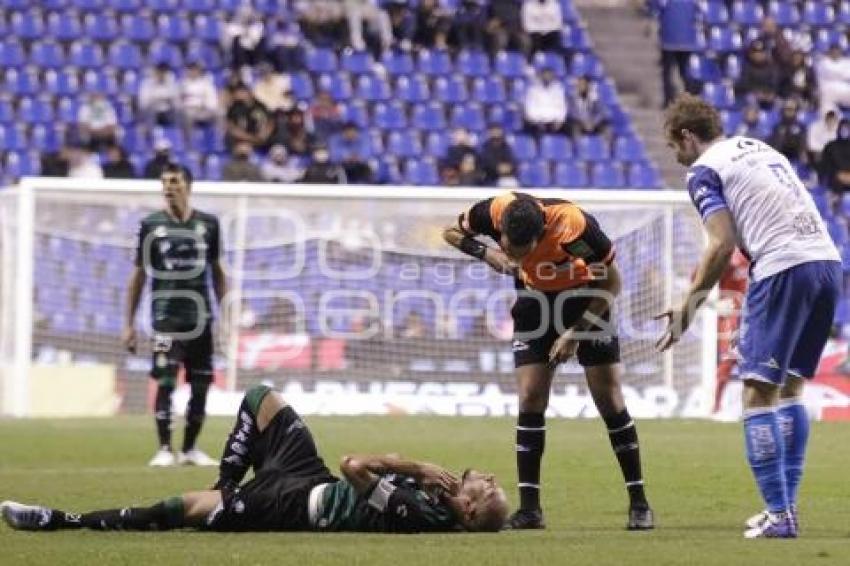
[[135, 286], [472, 247], [721, 245]]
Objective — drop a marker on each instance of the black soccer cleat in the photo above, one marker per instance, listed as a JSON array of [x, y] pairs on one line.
[[526, 519], [640, 518]]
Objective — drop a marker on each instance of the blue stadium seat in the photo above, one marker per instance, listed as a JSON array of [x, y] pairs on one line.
[[372, 88], [61, 82], [724, 40], [125, 55], [27, 25], [747, 12], [12, 53], [429, 116], [200, 6], [321, 60], [123, 104], [137, 27], [21, 82], [843, 15], [489, 90], [628, 148], [89, 5], [733, 67], [469, 116], [549, 60], [86, 54], [302, 86], [412, 89], [167, 6], [824, 38], [397, 62], [715, 13], [176, 28], [517, 88], [524, 146], [508, 115], [376, 141], [103, 80], [67, 109], [586, 64], [389, 116], [37, 110], [837, 228], [419, 171], [100, 26], [436, 144], [818, 13], [7, 109], [593, 148], [534, 173], [719, 94], [64, 27], [608, 175], [434, 62], [47, 54], [130, 81], [207, 28], [473, 63], [13, 138], [124, 6], [162, 51], [786, 14], [450, 90], [510, 64], [15, 4], [403, 144], [209, 55], [44, 138], [556, 147], [357, 112], [703, 69], [643, 176], [337, 84], [358, 62]]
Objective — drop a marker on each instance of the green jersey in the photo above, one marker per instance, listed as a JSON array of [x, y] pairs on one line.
[[178, 256], [397, 504]]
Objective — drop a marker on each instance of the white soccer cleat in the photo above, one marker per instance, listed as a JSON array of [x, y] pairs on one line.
[[756, 520], [163, 457], [25, 517], [195, 457], [780, 525]]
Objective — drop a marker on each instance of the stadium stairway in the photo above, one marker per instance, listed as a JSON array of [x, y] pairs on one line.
[[630, 55]]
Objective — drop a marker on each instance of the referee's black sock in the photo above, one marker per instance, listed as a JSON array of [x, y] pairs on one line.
[[162, 414], [530, 440], [165, 515], [624, 440], [236, 458]]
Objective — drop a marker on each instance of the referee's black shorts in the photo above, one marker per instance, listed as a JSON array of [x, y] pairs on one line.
[[541, 317]]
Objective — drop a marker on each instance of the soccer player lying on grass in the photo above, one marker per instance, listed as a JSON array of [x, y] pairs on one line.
[[293, 490]]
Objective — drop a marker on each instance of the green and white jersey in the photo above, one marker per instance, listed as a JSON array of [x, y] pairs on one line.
[[397, 504], [177, 256]]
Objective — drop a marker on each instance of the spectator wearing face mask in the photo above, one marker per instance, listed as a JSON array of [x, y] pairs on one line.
[[243, 37], [833, 72], [821, 132], [789, 134], [545, 104], [322, 171], [759, 77], [835, 161], [240, 167], [496, 153], [279, 168]]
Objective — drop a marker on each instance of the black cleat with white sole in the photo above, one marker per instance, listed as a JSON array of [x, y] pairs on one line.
[[640, 518], [526, 519]]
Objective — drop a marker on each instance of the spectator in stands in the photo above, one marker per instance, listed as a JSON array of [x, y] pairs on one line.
[[82, 163], [678, 38], [460, 147], [353, 149], [283, 45], [833, 72], [247, 121], [586, 113], [760, 76], [469, 171], [232, 82], [321, 21], [271, 89], [821, 132], [776, 45], [542, 20], [368, 12], [495, 154], [117, 166], [97, 121], [507, 176], [240, 167], [161, 158], [326, 115], [159, 97], [432, 25], [545, 104], [469, 24], [279, 168], [798, 79], [789, 133], [505, 29], [414, 326], [321, 170], [835, 161], [290, 130], [751, 125], [402, 23], [243, 37], [198, 99], [55, 163]]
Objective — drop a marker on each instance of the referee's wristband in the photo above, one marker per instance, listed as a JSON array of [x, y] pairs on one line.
[[472, 247]]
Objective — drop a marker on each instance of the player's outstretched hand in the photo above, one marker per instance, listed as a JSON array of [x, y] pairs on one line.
[[563, 349], [677, 324], [128, 338], [433, 476]]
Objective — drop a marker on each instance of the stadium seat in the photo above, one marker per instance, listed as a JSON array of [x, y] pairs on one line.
[[89, 5], [434, 62], [166, 6], [436, 144], [786, 14], [86, 54], [27, 25], [524, 146], [357, 112], [724, 40], [824, 38], [421, 172], [715, 13], [37, 110], [12, 53], [389, 116], [372, 88], [593, 148], [818, 13], [607, 175], [43, 138], [397, 62], [471, 63], [450, 90], [412, 89], [489, 90], [534, 173], [302, 86], [321, 60], [628, 148], [103, 81], [47, 54], [200, 6], [843, 15], [403, 145], [137, 27], [469, 116], [13, 138], [510, 64], [100, 26], [207, 28], [358, 62], [164, 52], [7, 109], [212, 168], [21, 82], [337, 84], [64, 27], [509, 116], [703, 69], [124, 55], [719, 94], [125, 6], [747, 13], [837, 228], [429, 116], [556, 147], [643, 176], [175, 28], [548, 60]]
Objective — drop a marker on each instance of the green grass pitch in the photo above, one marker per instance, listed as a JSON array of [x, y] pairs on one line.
[[697, 480]]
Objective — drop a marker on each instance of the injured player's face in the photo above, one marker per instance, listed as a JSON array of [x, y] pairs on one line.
[[485, 505]]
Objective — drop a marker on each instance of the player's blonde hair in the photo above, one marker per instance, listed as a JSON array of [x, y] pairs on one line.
[[689, 112]]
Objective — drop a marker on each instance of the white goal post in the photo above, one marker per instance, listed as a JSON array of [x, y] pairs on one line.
[[343, 296]]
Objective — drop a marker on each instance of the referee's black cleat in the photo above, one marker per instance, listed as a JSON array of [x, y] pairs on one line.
[[526, 519], [640, 518]]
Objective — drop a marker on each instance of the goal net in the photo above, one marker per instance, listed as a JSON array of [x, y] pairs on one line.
[[344, 298]]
